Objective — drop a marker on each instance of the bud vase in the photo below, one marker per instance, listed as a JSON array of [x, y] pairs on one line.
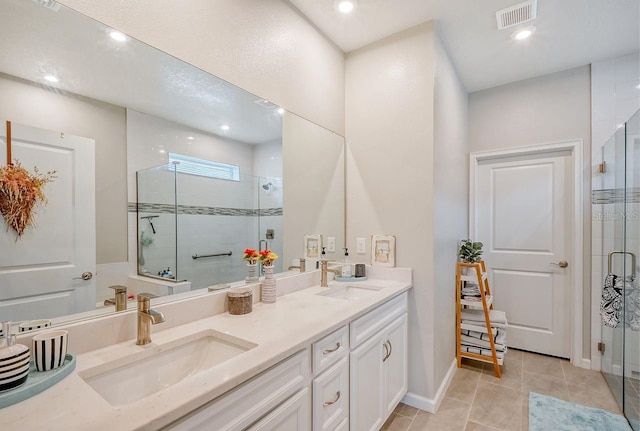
[[268, 286], [252, 278]]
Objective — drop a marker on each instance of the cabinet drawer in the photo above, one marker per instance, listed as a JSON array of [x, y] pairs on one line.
[[329, 350], [292, 415], [331, 397], [374, 321], [249, 402]]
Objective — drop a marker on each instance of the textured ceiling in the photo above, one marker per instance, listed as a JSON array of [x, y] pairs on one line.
[[570, 33], [35, 41]]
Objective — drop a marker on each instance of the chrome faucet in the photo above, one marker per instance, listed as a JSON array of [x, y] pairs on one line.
[[120, 300], [323, 273], [146, 317], [302, 267]]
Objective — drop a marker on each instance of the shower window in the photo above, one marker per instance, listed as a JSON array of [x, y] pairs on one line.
[[204, 168]]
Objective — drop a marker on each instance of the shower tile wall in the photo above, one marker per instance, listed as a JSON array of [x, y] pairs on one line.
[[150, 140], [615, 98]]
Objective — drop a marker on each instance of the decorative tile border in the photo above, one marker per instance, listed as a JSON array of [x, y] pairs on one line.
[[201, 210], [615, 196]]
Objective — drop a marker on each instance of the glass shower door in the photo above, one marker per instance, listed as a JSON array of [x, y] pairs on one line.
[[631, 383]]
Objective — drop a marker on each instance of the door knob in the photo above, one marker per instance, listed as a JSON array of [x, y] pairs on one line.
[[85, 276], [561, 264]]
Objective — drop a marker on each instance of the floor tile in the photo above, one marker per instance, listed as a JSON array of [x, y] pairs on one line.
[[472, 426], [452, 415], [511, 375], [545, 385], [540, 364], [463, 385], [406, 411], [396, 423], [497, 406]]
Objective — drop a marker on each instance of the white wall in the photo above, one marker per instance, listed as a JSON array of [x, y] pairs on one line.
[[451, 197], [550, 108], [407, 175], [26, 103], [265, 47]]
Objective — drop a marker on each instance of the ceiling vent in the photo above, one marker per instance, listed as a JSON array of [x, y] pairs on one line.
[[517, 14], [49, 4], [264, 103]]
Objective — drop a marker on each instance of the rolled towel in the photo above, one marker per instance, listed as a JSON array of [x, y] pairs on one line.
[[470, 341], [499, 335], [498, 318], [481, 351]]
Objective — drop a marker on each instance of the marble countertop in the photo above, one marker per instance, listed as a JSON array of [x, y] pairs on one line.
[[291, 324]]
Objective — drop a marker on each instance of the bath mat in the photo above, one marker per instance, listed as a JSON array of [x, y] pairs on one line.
[[549, 413]]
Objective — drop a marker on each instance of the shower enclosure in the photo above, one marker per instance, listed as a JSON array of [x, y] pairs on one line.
[[616, 227], [196, 227]]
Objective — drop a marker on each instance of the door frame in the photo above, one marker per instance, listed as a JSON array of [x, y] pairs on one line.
[[577, 248]]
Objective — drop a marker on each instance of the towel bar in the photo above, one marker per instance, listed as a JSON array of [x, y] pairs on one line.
[[198, 256], [633, 261]]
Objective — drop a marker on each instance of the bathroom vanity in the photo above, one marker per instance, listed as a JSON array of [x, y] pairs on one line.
[[321, 358]]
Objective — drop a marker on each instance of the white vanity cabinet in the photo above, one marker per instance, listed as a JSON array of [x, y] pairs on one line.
[[378, 364], [276, 399]]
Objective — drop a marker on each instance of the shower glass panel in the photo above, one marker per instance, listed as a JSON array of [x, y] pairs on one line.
[[157, 212], [196, 228], [616, 210]]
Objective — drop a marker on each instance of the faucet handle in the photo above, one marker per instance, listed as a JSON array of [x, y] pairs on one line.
[[146, 297], [119, 289]]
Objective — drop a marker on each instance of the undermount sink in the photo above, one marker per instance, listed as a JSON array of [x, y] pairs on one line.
[[350, 292], [139, 375]]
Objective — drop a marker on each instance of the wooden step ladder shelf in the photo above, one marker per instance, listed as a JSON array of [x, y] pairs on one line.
[[478, 275]]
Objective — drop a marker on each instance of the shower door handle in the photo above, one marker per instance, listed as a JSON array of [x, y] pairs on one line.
[[561, 264]]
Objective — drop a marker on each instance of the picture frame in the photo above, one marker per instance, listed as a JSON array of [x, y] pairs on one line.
[[383, 251], [312, 246]]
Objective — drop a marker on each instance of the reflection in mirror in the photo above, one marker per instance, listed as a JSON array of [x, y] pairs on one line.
[[99, 110]]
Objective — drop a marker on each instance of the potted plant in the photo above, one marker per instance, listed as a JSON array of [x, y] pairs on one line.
[[470, 251], [251, 256]]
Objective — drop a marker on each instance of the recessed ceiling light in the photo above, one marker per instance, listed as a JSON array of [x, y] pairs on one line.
[[346, 6], [191, 138], [51, 78], [523, 33], [638, 86], [224, 127], [116, 35], [280, 111]]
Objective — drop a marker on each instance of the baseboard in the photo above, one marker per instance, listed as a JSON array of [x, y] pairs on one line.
[[584, 363], [432, 405]]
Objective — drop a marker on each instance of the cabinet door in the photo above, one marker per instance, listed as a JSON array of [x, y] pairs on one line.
[[292, 415], [395, 366], [367, 410]]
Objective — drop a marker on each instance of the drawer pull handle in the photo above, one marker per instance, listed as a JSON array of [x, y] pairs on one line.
[[326, 352], [328, 403], [389, 350]]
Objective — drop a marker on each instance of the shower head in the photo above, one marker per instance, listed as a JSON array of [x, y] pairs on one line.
[[267, 186]]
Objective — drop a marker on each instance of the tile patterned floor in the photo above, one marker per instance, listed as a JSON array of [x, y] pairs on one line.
[[478, 401]]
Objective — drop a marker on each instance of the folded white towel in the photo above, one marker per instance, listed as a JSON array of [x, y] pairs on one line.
[[470, 290], [499, 335], [483, 352], [470, 341], [498, 318]]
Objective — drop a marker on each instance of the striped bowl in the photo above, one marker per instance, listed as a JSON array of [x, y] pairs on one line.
[[49, 349], [14, 366], [31, 325]]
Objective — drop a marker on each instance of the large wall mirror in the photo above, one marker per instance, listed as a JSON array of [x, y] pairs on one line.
[[156, 162]]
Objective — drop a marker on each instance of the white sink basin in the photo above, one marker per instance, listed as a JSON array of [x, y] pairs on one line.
[[350, 292], [137, 376]]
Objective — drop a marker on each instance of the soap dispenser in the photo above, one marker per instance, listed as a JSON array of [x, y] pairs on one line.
[[14, 360], [346, 265]]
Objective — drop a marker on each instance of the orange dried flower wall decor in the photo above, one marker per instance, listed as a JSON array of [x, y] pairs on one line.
[[20, 192]]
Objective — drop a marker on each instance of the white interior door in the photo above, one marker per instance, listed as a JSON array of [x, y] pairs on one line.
[[38, 270], [523, 208]]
